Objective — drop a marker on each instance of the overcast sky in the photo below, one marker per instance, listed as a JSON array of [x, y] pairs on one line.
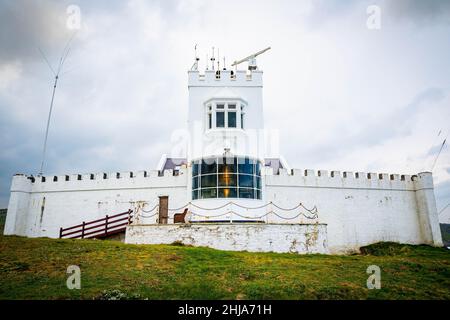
[[343, 96]]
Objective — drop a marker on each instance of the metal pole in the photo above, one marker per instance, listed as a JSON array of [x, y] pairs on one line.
[[48, 124]]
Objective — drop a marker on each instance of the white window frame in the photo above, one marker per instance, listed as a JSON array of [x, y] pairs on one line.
[[211, 108]]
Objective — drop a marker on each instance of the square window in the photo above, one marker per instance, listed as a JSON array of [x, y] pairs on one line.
[[209, 166], [209, 193], [220, 119], [232, 119], [227, 193], [246, 193], [227, 165], [246, 180], [209, 181], [227, 180]]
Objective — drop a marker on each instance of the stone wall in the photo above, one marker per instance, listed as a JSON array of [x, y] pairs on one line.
[[294, 238]]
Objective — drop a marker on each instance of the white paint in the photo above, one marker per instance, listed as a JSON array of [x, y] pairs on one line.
[[68, 203], [359, 209], [294, 238]]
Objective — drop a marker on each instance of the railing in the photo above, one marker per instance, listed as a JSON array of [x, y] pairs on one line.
[[99, 228]]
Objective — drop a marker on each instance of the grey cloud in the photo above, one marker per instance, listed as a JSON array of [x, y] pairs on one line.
[[27, 25], [419, 11]]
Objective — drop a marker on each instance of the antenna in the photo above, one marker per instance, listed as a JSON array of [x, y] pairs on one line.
[[251, 60], [439, 153], [218, 59], [224, 65], [212, 59], [62, 59], [196, 58]]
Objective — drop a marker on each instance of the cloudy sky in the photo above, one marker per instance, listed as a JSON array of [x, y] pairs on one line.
[[343, 96]]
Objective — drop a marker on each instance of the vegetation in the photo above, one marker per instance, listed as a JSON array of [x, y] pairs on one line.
[[36, 269]]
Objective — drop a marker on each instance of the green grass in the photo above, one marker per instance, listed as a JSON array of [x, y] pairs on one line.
[[36, 269]]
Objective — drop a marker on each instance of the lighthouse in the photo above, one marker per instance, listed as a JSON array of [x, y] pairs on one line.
[[226, 146]]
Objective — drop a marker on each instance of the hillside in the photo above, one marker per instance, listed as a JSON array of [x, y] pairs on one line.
[[36, 269]]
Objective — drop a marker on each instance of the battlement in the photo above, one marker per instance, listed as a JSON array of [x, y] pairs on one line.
[[123, 179], [229, 78], [348, 179]]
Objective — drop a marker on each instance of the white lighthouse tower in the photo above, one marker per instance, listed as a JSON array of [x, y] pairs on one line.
[[226, 148]]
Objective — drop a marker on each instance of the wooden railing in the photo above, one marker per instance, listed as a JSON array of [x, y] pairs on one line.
[[99, 228]]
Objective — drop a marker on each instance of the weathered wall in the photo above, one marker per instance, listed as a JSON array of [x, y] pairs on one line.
[[40, 208], [361, 208], [295, 238]]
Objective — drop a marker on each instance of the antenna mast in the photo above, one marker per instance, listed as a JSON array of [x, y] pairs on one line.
[[56, 74]]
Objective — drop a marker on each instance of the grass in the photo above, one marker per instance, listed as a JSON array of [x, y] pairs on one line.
[[36, 269]]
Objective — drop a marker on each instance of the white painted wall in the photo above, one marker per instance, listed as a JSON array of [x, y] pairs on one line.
[[361, 209], [39, 209], [294, 238], [247, 87]]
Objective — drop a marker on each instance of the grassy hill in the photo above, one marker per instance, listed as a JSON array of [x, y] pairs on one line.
[[36, 269]]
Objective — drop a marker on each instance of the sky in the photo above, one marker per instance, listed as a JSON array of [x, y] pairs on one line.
[[344, 91]]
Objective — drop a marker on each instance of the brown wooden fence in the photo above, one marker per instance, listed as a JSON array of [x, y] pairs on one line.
[[100, 228]]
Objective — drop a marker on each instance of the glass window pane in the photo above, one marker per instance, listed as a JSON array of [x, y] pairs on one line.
[[209, 181], [231, 106], [209, 120], [242, 121], [258, 194], [246, 181], [246, 193], [220, 119], [195, 167], [227, 165], [228, 179], [245, 165], [209, 166], [258, 182], [257, 168], [232, 119], [195, 183], [227, 193], [220, 106], [209, 193], [194, 194]]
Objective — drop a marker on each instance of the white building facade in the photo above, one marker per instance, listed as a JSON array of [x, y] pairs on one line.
[[243, 200]]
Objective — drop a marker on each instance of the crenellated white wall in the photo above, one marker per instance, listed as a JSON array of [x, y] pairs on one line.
[[358, 208], [40, 208], [361, 208]]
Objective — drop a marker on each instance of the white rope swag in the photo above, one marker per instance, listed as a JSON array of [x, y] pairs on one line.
[[312, 213]]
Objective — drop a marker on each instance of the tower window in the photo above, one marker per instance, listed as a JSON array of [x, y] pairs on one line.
[[231, 119], [224, 115], [220, 119]]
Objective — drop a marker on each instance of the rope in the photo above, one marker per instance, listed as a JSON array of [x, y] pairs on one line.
[[312, 211], [315, 216], [151, 210]]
